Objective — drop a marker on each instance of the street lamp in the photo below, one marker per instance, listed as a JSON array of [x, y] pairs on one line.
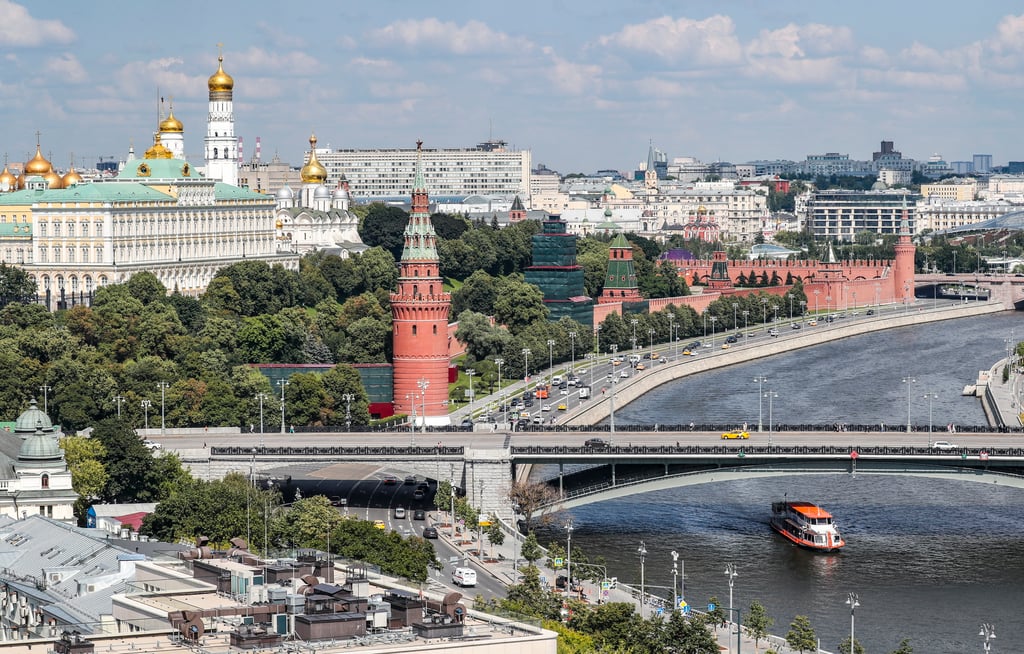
[[568, 557], [526, 363], [745, 314], [572, 348], [163, 390], [790, 296], [817, 292], [764, 312], [853, 602], [650, 332], [551, 350], [735, 307], [282, 383], [470, 372], [591, 357], [611, 432], [145, 409], [908, 381], [714, 319], [499, 361], [828, 304], [424, 384], [760, 379], [771, 395], [672, 333], [261, 397], [348, 397], [680, 576], [730, 573], [930, 396], [988, 632], [633, 322], [117, 400], [642, 551], [46, 389], [597, 339]]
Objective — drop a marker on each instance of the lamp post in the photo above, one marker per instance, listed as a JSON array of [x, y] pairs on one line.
[[678, 589], [817, 292], [853, 602], [714, 319], [878, 294], [650, 333], [735, 308], [633, 321], [760, 379], [499, 362], [597, 339], [854, 293], [771, 395], [411, 398], [46, 389], [470, 372], [642, 551], [988, 632], [954, 262], [775, 310], [764, 313], [551, 350], [730, 573], [611, 426], [591, 357], [790, 296], [908, 381], [526, 363], [348, 397], [745, 323], [283, 383], [828, 304], [424, 384], [672, 333], [803, 307], [930, 396], [704, 317], [163, 396], [145, 410], [261, 397], [572, 348], [117, 400], [675, 342], [568, 557]]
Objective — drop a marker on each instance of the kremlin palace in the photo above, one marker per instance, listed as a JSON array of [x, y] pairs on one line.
[[161, 215]]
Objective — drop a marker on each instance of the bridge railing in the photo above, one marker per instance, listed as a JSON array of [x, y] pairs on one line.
[[877, 427], [749, 450], [383, 450]]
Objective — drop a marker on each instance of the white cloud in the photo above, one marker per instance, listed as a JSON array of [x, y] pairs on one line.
[[1009, 34], [19, 28], [471, 38], [919, 55], [67, 67], [705, 42], [797, 71], [794, 41], [934, 81], [370, 66], [288, 63], [570, 78]]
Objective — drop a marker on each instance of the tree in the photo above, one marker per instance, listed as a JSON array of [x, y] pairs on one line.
[[801, 636], [131, 467], [477, 293], [146, 288], [716, 615], [482, 339], [904, 647], [443, 496], [308, 521], [531, 499], [518, 304], [531, 548], [16, 286], [88, 474], [384, 226], [758, 622], [844, 646], [529, 597], [494, 532]]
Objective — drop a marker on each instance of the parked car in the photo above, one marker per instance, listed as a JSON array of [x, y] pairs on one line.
[[795, 325], [773, 332], [731, 338]]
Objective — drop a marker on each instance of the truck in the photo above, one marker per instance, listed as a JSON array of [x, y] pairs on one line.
[[584, 392], [464, 577]]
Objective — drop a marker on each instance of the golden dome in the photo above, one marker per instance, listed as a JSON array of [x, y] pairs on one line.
[[313, 172], [279, 223], [8, 180], [171, 124], [37, 165], [71, 178], [220, 81], [21, 180], [53, 180], [158, 151]]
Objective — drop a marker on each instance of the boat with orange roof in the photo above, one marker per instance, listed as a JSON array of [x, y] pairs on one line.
[[806, 525]]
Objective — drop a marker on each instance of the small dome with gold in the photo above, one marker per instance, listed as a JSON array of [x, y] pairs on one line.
[[220, 81], [313, 172], [171, 124]]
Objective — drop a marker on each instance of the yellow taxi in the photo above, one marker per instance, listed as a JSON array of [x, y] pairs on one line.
[[687, 353], [641, 366], [563, 407], [655, 356], [725, 346], [379, 524], [735, 434], [616, 362], [812, 323]]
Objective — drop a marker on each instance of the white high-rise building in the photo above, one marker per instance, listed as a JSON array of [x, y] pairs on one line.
[[221, 144]]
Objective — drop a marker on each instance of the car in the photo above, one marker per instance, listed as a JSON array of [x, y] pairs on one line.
[[655, 355], [662, 360], [339, 501], [869, 312], [418, 494], [595, 443], [725, 346], [689, 353], [693, 346], [731, 338], [735, 434], [546, 407], [390, 480], [624, 373], [522, 424], [641, 366], [410, 480], [647, 355], [773, 332], [943, 445], [537, 420], [467, 423], [430, 532], [464, 577], [379, 524], [795, 325], [419, 514], [153, 445], [563, 406], [616, 362], [423, 486], [812, 323], [399, 513]]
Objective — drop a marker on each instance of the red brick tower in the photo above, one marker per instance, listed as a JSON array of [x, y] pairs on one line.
[[620, 284], [903, 268], [419, 316]]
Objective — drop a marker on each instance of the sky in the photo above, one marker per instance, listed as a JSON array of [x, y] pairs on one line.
[[584, 85]]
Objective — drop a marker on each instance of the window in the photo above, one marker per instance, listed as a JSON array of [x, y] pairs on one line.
[[414, 330], [45, 480]]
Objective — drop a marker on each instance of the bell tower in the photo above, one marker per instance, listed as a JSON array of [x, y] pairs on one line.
[[221, 145], [903, 269], [419, 317]]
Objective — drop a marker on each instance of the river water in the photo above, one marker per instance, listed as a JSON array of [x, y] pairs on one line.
[[931, 560]]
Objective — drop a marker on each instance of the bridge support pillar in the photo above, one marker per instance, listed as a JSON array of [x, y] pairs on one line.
[[488, 480], [561, 478], [613, 474]]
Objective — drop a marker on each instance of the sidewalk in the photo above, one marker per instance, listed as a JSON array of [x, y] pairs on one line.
[[1001, 401], [500, 567]]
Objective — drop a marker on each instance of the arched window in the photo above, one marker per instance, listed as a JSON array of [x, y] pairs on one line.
[[215, 153], [414, 330], [45, 480], [435, 330]]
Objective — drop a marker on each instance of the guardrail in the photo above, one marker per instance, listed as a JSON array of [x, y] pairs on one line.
[[391, 450], [748, 450]]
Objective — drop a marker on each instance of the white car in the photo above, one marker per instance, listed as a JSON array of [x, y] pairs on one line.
[[546, 407], [153, 445], [943, 445]]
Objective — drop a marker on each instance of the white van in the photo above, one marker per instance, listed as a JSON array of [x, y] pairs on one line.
[[556, 380], [634, 359], [464, 577]]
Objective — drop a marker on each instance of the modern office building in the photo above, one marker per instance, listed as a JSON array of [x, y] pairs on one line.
[[983, 163], [490, 169], [841, 214]]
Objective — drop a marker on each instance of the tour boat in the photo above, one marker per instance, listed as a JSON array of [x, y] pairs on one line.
[[807, 525]]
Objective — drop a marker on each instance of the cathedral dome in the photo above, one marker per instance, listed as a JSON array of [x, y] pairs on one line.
[[158, 151], [31, 419], [285, 193], [37, 165], [7, 180], [70, 179], [171, 124], [321, 193], [53, 179], [220, 82], [313, 172]]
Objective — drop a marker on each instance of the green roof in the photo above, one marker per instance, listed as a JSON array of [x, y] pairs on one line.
[[222, 191], [14, 230], [91, 192], [159, 169]]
